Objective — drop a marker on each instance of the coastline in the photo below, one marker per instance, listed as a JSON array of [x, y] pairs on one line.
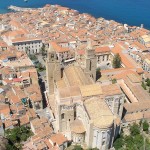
[[18, 9], [13, 9], [105, 12]]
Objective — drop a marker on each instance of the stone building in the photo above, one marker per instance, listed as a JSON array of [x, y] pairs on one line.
[[84, 111], [53, 69], [31, 46], [146, 65], [88, 61], [103, 55]]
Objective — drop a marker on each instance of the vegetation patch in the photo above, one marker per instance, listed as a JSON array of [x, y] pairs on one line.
[[17, 135], [136, 140], [117, 61]]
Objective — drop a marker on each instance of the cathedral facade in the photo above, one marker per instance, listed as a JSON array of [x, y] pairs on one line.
[[84, 111]]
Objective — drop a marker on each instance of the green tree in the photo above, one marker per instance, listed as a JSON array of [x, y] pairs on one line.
[[140, 123], [78, 147], [143, 85], [118, 143], [10, 146], [146, 79], [148, 82], [117, 61], [135, 141], [147, 144], [16, 135], [43, 50], [40, 67], [128, 141], [138, 141], [32, 57], [114, 81], [145, 126], [135, 129]]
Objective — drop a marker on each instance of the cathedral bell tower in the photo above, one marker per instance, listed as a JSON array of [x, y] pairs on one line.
[[53, 69], [90, 61]]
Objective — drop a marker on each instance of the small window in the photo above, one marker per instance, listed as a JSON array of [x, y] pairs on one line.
[[52, 56], [90, 66], [75, 115], [62, 116], [103, 143]]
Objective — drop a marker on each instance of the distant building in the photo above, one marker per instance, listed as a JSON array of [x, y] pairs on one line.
[[103, 57], [31, 46], [146, 65]]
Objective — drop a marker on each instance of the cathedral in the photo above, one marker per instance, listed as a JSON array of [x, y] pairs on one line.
[[85, 111]]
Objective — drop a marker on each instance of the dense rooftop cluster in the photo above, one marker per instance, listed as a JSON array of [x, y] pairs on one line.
[[66, 33]]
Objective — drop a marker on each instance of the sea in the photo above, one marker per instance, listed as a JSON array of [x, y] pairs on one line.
[[131, 12]]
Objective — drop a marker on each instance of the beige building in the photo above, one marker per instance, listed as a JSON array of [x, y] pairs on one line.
[[146, 65], [84, 111], [103, 57], [63, 54], [31, 46], [88, 61], [145, 39]]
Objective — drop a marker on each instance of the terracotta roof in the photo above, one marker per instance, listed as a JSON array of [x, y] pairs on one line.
[[77, 126], [35, 97], [125, 58], [137, 106], [14, 99], [139, 70], [24, 39], [134, 78], [75, 76], [24, 120], [103, 49], [4, 109], [137, 90], [133, 117], [103, 118], [69, 91], [112, 89], [58, 48], [58, 138], [91, 90]]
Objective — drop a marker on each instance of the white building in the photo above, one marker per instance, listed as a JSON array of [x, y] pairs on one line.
[[146, 65], [31, 46]]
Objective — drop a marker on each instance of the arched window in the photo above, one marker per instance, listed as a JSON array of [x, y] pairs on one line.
[[75, 115], [62, 116], [90, 65]]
